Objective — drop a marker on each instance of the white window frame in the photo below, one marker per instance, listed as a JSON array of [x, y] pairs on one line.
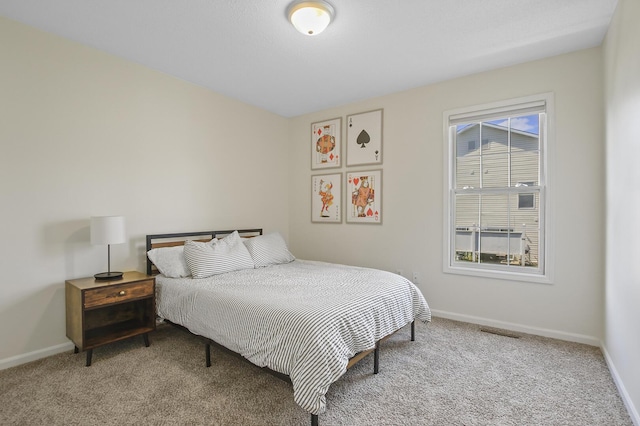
[[544, 272]]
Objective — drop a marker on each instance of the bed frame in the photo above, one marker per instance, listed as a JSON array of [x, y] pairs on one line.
[[178, 239]]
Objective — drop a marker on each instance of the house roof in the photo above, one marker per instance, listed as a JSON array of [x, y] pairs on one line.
[[247, 49], [465, 129]]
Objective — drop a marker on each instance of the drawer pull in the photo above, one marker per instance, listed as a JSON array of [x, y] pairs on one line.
[[122, 293]]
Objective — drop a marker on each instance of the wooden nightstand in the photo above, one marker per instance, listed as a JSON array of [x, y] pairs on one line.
[[101, 312]]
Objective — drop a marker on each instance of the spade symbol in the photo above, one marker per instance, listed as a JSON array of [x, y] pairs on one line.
[[363, 139]]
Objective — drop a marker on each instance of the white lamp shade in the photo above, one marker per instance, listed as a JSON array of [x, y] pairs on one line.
[[311, 17], [107, 230]]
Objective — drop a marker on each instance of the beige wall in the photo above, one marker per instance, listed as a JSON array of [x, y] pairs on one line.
[[622, 290], [83, 133], [411, 235]]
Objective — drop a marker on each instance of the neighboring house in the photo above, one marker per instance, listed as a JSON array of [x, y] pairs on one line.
[[497, 225]]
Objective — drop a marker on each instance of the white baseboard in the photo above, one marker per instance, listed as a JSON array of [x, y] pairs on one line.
[[631, 409], [554, 334], [35, 355]]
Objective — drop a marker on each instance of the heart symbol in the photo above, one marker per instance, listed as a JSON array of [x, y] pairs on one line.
[[355, 181], [369, 212]]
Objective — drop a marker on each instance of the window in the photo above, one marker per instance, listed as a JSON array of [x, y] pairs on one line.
[[496, 222], [526, 201]]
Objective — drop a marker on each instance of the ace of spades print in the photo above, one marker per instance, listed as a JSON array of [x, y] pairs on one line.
[[364, 138]]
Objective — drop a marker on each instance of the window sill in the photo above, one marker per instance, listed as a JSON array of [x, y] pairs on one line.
[[501, 275]]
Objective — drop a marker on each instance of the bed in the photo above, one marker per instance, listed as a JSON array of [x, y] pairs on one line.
[[305, 320]]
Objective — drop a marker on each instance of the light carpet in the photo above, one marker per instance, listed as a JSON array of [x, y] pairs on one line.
[[453, 374]]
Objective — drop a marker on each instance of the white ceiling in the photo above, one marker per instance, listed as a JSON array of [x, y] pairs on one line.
[[246, 49]]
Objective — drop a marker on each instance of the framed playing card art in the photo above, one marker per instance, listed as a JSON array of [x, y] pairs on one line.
[[326, 144], [326, 198], [364, 138], [364, 197]]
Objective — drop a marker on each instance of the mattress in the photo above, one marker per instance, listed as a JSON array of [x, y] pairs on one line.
[[305, 319]]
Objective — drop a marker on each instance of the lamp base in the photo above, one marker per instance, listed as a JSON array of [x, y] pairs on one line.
[[108, 276]]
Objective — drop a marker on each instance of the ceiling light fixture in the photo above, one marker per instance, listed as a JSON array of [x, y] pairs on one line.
[[310, 17]]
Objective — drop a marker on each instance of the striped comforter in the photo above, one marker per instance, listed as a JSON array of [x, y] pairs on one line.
[[304, 319]]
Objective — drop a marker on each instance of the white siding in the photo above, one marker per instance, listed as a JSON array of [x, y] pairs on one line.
[[487, 165]]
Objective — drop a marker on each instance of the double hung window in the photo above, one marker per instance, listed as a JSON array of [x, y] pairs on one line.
[[496, 177]]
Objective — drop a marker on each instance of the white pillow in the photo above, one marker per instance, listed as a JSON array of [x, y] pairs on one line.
[[217, 256], [269, 249], [170, 261]]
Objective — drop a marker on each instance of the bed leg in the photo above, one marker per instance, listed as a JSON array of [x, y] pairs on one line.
[[376, 358], [207, 353], [314, 420], [413, 330]]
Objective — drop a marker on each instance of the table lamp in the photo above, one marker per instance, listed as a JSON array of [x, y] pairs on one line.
[[107, 230]]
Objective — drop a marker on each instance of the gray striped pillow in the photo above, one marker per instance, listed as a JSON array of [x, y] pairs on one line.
[[217, 256], [269, 249]]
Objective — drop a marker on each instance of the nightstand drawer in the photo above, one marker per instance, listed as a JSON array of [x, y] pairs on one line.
[[117, 293]]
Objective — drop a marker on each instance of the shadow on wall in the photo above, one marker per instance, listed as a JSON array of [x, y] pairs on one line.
[[34, 314], [63, 252], [70, 241], [139, 247], [41, 323]]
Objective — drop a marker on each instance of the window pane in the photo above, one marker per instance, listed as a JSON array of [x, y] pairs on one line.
[[525, 167], [468, 172], [467, 137], [494, 212], [525, 225], [525, 131], [495, 170], [531, 246], [467, 210], [525, 149], [467, 214], [498, 188], [496, 135], [525, 222], [494, 228]]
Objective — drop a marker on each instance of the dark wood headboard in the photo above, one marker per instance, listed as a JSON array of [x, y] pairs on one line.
[[178, 239]]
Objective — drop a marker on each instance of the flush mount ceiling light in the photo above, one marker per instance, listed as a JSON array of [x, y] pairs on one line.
[[310, 17]]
